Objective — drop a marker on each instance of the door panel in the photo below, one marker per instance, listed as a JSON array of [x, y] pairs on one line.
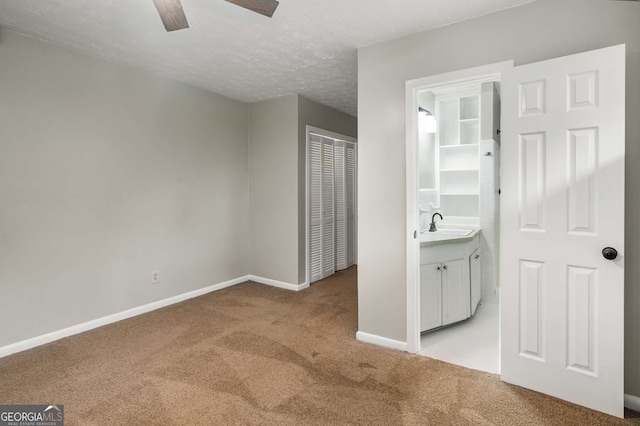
[[351, 186], [455, 291], [562, 302], [430, 297], [328, 209], [315, 208], [340, 205]]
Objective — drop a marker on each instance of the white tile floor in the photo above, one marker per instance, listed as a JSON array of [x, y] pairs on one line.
[[474, 343]]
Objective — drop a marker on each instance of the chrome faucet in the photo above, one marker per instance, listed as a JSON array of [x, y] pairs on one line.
[[432, 226]]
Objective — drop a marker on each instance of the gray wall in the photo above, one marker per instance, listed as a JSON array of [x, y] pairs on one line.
[[277, 176], [108, 173], [541, 30], [273, 183]]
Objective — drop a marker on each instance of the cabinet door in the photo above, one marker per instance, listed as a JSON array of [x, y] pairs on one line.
[[328, 209], [430, 296], [476, 279], [315, 208], [455, 291]]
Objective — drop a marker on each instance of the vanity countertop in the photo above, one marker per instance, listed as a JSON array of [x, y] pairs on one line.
[[435, 238]]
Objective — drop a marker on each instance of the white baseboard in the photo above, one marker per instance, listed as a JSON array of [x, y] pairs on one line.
[[90, 325], [632, 402], [279, 284], [381, 341]]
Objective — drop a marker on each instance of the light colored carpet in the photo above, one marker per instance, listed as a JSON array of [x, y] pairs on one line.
[[255, 355]]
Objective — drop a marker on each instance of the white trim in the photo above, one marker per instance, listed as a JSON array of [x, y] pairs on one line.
[[278, 284], [109, 319], [490, 72], [381, 341], [129, 313], [632, 402]]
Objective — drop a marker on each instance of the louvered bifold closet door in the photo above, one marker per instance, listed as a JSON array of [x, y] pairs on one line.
[[351, 197], [315, 208], [341, 205], [328, 212]]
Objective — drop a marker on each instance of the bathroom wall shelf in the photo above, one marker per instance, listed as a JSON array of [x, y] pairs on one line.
[[462, 146], [458, 149]]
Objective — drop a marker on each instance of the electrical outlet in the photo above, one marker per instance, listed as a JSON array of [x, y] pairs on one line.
[[155, 277]]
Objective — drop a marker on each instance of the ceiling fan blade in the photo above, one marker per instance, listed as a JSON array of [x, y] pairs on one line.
[[172, 15], [263, 7]]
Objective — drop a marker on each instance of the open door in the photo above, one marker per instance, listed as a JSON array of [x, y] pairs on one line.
[[562, 221]]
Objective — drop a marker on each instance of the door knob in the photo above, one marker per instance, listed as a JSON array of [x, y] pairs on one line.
[[609, 253]]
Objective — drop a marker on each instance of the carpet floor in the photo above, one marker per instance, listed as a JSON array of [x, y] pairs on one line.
[[256, 355]]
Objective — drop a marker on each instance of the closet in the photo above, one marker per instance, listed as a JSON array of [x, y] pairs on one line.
[[331, 168]]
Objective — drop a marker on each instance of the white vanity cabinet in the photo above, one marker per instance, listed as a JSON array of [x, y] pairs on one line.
[[449, 281], [476, 278]]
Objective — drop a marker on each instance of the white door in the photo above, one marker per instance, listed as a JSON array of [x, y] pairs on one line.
[[322, 261], [315, 207], [341, 205], [562, 302], [328, 212], [352, 196]]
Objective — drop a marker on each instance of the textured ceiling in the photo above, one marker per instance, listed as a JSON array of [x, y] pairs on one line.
[[308, 47]]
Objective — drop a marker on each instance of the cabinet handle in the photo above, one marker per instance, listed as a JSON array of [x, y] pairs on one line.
[[477, 256], [438, 268], [444, 267]]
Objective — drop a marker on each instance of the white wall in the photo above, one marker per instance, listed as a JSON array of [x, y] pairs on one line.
[[541, 30], [108, 173], [273, 182]]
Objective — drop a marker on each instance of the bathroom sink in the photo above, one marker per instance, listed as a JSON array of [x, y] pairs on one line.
[[453, 232]]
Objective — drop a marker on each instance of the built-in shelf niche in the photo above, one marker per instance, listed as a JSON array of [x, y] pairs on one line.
[[459, 157], [459, 182], [459, 205]]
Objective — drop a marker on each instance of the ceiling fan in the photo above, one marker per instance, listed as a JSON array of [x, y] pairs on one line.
[[173, 16]]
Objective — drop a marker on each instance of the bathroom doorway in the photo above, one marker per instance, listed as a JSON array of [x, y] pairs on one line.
[[455, 172], [559, 242]]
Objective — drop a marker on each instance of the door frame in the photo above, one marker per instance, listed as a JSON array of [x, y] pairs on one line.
[[336, 136], [491, 72]]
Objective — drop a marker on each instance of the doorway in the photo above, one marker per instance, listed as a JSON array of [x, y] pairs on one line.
[[331, 203], [457, 213]]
